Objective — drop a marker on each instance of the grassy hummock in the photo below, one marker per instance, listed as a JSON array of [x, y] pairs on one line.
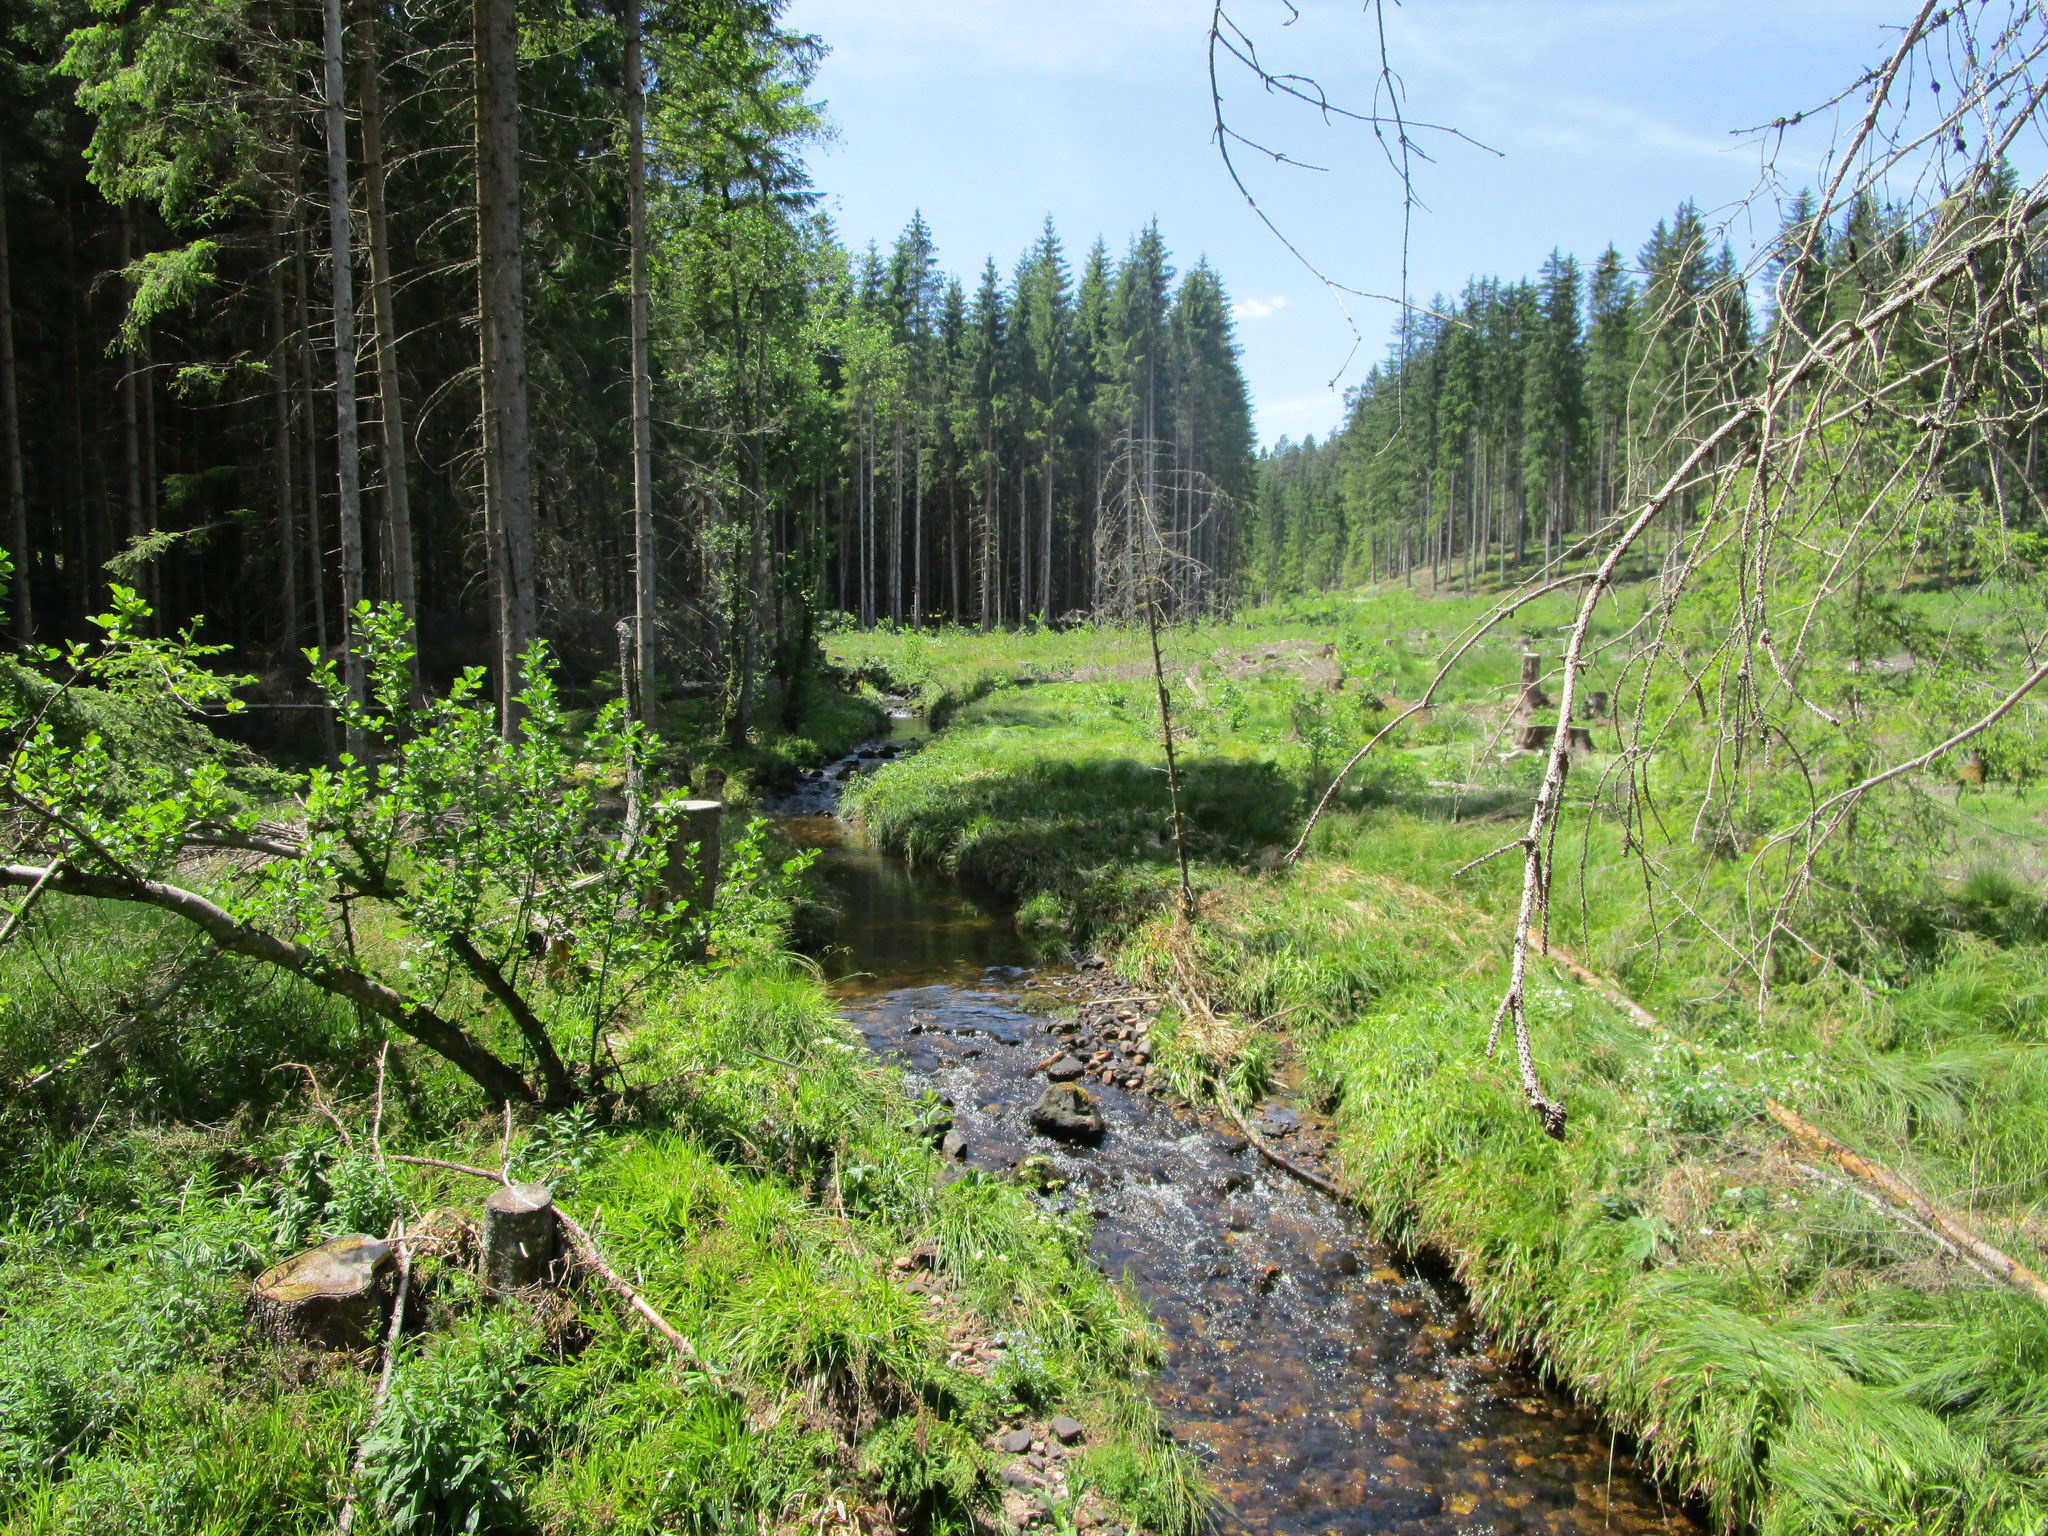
[[1788, 1353]]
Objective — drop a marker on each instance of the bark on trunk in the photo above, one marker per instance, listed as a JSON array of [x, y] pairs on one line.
[[19, 598], [508, 473], [131, 425], [520, 1236], [384, 309], [644, 624], [347, 447], [281, 425]]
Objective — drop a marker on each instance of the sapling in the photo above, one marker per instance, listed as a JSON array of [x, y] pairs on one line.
[[412, 881]]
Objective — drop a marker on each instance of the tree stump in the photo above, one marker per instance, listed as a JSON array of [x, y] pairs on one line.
[[692, 871], [521, 1236], [1531, 735], [331, 1297]]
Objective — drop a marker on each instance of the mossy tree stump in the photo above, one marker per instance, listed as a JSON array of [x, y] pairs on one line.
[[521, 1236], [331, 1297]]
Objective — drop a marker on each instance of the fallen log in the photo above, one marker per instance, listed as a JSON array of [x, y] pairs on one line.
[[1914, 1208], [1903, 1195]]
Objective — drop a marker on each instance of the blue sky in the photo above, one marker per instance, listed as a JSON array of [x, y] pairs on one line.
[[989, 114]]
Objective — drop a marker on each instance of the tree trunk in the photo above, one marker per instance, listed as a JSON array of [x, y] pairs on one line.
[[896, 517], [644, 630], [508, 469], [131, 425], [347, 447], [315, 554], [390, 403], [19, 598], [917, 529], [281, 426], [1045, 538]]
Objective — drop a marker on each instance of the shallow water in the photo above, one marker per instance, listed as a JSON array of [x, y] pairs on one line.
[[1330, 1386]]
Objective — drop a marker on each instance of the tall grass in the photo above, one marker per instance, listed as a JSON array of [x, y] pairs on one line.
[[1796, 1359]]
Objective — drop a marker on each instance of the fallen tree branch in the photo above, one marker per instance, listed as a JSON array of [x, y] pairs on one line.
[[587, 1252], [323, 971], [1904, 1195], [1271, 1152]]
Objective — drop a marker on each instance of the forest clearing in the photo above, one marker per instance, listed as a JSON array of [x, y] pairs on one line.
[[667, 874]]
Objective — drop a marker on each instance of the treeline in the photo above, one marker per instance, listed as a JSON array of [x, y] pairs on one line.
[[1046, 446], [602, 356], [1514, 423]]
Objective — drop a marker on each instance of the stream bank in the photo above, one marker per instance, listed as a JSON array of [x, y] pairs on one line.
[[1329, 1385]]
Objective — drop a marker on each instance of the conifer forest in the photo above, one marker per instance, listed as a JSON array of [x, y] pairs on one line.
[[669, 870]]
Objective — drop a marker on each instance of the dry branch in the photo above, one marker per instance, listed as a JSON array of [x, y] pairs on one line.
[[1903, 1195]]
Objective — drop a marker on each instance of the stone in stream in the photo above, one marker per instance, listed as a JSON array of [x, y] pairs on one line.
[[953, 1146], [1065, 1070], [1038, 1173], [1065, 1111], [1276, 1120]]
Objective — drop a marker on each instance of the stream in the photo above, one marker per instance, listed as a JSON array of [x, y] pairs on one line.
[[1328, 1384]]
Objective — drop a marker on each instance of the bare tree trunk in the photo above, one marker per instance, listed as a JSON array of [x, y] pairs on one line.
[[19, 598], [917, 528], [1045, 539], [281, 425], [347, 446], [646, 638], [390, 403], [896, 517], [508, 468], [315, 554], [131, 441], [152, 579]]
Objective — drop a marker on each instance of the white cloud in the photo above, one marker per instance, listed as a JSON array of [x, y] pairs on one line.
[[1258, 309]]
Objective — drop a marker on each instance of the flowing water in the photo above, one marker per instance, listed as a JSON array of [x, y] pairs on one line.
[[1330, 1386]]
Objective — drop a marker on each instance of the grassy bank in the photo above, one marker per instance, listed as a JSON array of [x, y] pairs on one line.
[[866, 1328], [1794, 1357]]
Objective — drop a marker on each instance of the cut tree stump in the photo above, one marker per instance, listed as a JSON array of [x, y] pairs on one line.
[[331, 1297], [691, 874], [1533, 734], [521, 1236]]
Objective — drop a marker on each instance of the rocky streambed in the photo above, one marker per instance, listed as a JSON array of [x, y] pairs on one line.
[[1330, 1385]]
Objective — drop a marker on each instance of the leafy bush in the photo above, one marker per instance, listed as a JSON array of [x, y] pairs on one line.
[[441, 1457]]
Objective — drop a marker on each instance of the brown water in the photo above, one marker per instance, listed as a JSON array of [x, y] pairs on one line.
[[1330, 1386]]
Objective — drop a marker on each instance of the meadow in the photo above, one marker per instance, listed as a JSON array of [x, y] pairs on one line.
[[1787, 1349]]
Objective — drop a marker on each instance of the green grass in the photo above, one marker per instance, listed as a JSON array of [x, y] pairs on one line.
[[762, 1210], [1794, 1358]]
